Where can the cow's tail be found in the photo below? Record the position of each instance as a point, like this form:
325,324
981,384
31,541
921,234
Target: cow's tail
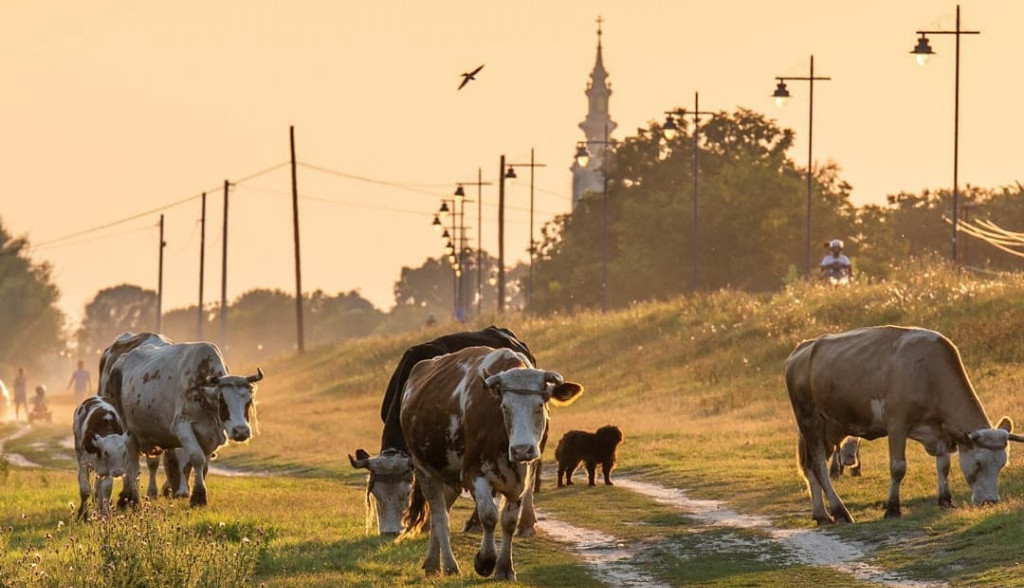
416,514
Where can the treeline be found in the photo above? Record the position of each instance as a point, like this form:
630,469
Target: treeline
751,236
752,220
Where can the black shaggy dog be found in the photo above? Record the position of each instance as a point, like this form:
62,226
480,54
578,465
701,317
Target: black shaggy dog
591,449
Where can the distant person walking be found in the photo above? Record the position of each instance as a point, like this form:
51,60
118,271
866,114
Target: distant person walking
83,383
20,393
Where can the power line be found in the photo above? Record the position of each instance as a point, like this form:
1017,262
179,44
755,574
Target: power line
151,211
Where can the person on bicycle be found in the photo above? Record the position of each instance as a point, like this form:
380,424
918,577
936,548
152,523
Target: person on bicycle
835,263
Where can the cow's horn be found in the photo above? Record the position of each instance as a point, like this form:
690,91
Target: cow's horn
360,463
257,377
554,377
1015,437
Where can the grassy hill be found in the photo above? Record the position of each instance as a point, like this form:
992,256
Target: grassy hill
696,385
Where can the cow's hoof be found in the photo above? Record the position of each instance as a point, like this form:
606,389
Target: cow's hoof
484,565
505,574
824,522
892,512
197,499
526,531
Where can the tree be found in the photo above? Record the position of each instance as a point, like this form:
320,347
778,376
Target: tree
29,318
116,310
752,203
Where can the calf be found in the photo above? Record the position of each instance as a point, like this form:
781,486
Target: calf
590,448
848,456
474,420
101,444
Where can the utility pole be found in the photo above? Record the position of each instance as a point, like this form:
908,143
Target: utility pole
160,281
202,267
298,257
479,183
224,278
511,174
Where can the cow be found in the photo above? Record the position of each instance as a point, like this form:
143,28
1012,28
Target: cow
387,492
180,395
388,487
101,446
900,382
847,456
474,420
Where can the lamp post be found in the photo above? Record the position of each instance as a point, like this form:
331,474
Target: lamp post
512,174
479,183
582,159
921,52
781,94
450,243
670,129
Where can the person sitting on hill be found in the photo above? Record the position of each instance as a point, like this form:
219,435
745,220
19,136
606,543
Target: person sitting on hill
39,405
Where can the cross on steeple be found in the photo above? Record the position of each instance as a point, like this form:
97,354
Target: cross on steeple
599,20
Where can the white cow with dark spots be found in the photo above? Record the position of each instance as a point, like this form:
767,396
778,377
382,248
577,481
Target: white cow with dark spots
179,395
101,444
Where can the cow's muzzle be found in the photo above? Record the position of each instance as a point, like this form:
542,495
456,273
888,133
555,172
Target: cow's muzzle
240,433
523,453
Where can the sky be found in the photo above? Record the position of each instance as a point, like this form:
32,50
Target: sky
114,112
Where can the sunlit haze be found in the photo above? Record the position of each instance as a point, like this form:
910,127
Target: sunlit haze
124,110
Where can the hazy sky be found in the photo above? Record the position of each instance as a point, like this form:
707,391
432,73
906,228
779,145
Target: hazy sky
112,110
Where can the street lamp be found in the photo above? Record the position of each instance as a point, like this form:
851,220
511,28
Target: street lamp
670,130
512,174
479,183
582,160
922,51
781,94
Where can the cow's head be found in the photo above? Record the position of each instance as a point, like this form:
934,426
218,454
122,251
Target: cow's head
983,456
387,489
524,394
233,397
113,454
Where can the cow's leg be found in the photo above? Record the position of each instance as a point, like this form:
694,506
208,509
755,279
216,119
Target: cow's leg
130,485
152,463
486,557
509,519
897,469
195,454
103,487
83,488
439,550
815,469
942,471
528,518
835,467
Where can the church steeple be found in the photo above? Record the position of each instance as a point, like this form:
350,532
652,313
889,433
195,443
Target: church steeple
597,127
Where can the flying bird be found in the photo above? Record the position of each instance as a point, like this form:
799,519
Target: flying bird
470,76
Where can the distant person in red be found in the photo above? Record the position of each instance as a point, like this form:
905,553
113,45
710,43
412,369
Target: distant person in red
81,380
20,393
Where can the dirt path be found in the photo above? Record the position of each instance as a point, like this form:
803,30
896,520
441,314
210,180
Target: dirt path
619,565
16,459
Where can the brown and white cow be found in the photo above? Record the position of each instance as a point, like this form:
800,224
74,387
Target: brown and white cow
474,420
846,457
898,382
179,395
101,445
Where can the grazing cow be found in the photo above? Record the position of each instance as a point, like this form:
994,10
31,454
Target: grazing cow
474,420
591,449
387,492
101,445
896,381
388,487
179,395
848,456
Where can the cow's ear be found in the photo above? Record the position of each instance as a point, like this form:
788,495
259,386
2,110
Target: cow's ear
566,393
1005,424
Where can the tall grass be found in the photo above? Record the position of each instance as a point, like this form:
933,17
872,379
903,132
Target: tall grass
152,546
